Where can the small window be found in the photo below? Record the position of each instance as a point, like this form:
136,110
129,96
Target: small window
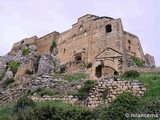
129,41
108,28
64,50
129,48
81,28
85,33
22,42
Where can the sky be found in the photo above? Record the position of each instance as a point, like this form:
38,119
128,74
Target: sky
21,19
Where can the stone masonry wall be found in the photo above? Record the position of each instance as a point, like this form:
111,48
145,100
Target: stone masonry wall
105,91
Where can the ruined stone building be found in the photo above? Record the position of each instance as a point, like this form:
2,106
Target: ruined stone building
100,41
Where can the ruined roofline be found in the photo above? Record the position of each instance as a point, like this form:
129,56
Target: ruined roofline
125,32
88,15
49,34
96,18
65,32
147,54
104,17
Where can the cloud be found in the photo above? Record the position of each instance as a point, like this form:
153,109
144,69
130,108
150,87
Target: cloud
21,19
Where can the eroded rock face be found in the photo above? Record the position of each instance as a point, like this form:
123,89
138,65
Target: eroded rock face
9,74
45,65
25,68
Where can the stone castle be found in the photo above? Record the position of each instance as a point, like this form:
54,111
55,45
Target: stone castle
98,41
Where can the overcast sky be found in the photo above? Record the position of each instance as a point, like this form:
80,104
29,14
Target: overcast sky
25,18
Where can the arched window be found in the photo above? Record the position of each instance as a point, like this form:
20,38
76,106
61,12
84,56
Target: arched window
108,28
80,28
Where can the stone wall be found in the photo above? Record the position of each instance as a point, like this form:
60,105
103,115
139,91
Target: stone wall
105,91
133,46
92,39
26,41
44,43
150,60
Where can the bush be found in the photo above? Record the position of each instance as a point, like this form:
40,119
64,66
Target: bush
7,82
53,46
45,113
89,65
137,61
3,74
150,105
125,103
131,74
25,51
14,66
85,89
22,104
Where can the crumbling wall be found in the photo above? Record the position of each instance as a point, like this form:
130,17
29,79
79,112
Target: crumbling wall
133,46
150,60
105,91
26,41
44,43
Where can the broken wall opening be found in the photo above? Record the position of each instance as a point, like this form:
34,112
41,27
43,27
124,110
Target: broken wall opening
78,58
98,73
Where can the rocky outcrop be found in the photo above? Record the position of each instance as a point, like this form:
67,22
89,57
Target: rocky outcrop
25,68
46,64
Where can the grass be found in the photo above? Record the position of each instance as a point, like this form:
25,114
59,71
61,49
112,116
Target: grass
71,77
152,82
7,83
55,103
48,92
14,66
6,110
138,61
25,51
85,89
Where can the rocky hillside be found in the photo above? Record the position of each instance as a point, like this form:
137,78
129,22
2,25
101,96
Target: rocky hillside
28,73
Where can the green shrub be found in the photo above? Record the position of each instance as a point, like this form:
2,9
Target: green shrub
25,51
138,61
125,103
150,105
3,74
131,74
45,113
47,92
22,104
89,65
7,82
83,92
14,66
53,46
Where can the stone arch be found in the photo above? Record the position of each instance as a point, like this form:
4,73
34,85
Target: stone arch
78,58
